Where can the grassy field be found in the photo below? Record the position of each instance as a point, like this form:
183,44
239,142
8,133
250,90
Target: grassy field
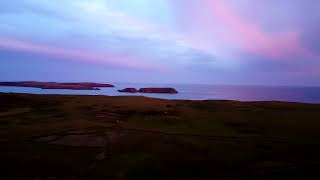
101,137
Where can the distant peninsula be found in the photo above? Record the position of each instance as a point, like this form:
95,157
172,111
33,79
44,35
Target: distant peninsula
56,85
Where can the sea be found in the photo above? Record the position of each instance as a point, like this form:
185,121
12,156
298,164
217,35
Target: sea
197,92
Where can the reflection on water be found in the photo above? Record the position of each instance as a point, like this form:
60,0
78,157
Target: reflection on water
199,92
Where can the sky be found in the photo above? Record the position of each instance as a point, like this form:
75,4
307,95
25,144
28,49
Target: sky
265,42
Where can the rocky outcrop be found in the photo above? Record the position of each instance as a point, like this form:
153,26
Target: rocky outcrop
55,85
158,90
129,90
150,90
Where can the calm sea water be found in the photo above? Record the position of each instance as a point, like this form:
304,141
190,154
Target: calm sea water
199,92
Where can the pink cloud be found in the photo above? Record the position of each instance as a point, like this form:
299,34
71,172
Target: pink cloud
217,22
251,37
75,54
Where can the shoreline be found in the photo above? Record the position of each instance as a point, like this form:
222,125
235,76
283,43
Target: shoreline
142,95
190,92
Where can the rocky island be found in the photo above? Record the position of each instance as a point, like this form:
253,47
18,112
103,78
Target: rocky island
56,85
129,90
149,90
158,90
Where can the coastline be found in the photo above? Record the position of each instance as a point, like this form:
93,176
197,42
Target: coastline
194,92
159,98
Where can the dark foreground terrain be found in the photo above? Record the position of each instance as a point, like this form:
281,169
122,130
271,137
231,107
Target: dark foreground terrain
100,137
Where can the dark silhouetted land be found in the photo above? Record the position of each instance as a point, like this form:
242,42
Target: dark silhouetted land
56,85
101,137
